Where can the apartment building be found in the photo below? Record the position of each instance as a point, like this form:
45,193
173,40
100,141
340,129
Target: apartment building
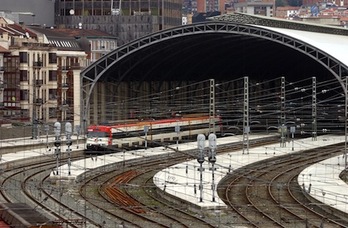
40,72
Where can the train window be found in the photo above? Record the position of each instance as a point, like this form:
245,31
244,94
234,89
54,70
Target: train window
93,134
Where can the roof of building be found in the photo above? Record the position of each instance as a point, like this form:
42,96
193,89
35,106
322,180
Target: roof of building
332,40
332,44
89,33
58,39
3,50
16,30
284,8
279,23
72,39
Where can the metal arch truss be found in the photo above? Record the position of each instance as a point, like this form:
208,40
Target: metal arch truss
91,74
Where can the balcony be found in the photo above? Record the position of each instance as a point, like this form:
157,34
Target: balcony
65,68
37,64
65,86
65,103
38,82
38,101
2,68
75,66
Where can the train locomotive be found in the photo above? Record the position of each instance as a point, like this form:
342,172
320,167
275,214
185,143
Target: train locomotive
154,132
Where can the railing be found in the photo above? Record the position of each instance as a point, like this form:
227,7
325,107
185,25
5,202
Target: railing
65,103
38,82
38,101
37,64
75,66
65,68
65,86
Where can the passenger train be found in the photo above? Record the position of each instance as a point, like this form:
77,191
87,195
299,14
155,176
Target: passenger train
152,132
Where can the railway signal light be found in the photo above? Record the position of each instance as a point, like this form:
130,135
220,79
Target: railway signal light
200,159
57,129
201,146
68,128
212,147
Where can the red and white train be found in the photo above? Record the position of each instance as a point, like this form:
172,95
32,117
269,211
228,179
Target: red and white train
129,135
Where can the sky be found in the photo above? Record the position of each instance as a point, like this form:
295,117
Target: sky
42,9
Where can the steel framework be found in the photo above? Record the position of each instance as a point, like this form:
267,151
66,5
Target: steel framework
94,72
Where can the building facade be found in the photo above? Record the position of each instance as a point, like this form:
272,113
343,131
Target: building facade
127,20
254,7
40,72
47,77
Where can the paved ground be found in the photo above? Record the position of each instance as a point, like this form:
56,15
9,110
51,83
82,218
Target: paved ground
15,132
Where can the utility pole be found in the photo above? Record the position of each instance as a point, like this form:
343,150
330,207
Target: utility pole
36,102
33,118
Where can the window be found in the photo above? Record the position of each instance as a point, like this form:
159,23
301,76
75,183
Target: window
25,113
24,96
23,57
52,58
10,98
52,112
52,75
23,75
52,94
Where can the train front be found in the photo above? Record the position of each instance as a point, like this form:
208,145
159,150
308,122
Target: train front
98,138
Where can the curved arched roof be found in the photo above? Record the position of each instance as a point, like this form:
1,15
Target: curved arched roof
332,44
223,50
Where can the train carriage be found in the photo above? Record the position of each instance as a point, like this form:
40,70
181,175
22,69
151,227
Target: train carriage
130,135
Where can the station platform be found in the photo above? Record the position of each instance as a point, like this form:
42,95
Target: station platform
177,181
182,180
34,147
322,181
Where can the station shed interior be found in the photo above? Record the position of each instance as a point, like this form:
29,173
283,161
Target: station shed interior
169,73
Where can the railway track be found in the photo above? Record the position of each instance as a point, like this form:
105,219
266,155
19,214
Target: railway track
267,194
126,212
27,183
259,195
122,197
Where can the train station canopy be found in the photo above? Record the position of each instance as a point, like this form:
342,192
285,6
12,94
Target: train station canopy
332,40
